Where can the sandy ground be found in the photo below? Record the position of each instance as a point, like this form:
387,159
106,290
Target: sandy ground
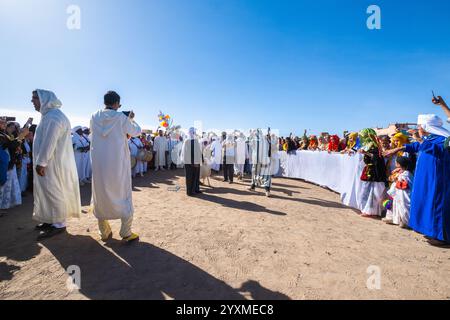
225,244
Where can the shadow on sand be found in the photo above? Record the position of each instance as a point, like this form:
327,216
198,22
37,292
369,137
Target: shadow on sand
141,271
242,205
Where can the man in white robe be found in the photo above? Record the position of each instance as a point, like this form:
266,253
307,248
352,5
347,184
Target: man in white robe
111,167
171,144
229,158
160,146
264,151
240,156
135,145
79,148
145,146
88,166
192,159
176,154
56,190
216,160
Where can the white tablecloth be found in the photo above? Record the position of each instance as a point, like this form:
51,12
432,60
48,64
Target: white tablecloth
338,172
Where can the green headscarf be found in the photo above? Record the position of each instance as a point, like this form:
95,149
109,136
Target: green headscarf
367,140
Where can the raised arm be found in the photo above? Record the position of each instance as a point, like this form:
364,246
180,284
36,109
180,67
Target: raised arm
441,102
410,148
131,127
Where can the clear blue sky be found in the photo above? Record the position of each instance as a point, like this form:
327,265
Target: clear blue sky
292,65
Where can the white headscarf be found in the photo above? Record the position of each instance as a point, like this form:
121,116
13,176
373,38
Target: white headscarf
48,101
433,124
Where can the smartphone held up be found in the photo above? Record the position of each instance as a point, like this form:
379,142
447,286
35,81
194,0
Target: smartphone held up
436,100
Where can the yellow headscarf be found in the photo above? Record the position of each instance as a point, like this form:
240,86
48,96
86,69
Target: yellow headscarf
402,139
352,139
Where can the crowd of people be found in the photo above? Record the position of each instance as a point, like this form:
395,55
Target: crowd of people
406,175
404,181
53,160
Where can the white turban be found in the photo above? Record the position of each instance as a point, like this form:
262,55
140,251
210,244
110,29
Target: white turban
48,101
74,130
433,124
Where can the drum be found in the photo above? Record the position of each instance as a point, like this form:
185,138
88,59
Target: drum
148,156
145,156
133,162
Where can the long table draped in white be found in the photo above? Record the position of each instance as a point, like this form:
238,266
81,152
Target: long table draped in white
338,172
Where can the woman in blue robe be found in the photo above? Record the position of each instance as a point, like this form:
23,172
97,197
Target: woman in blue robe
430,198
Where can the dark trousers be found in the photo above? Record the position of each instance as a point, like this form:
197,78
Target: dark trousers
247,167
30,180
228,172
192,179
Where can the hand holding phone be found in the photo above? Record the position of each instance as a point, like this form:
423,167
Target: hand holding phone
129,114
28,123
436,100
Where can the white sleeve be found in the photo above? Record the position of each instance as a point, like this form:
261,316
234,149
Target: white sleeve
391,191
131,127
51,131
183,151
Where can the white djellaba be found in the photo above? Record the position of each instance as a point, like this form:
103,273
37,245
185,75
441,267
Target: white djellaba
160,146
241,154
78,143
111,165
57,194
216,148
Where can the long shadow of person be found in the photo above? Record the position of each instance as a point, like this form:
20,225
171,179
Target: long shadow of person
224,190
154,180
287,192
242,205
277,184
136,271
258,292
315,202
17,235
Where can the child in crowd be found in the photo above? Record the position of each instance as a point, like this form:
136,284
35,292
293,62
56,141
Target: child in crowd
400,192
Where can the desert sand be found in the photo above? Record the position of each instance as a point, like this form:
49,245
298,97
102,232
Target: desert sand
228,243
